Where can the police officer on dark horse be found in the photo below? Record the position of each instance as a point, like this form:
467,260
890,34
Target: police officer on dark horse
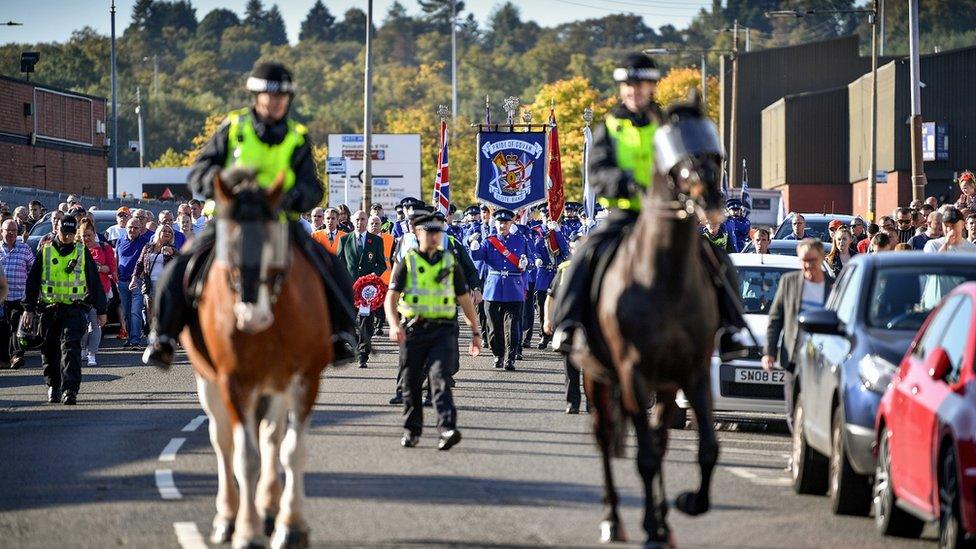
621,165
262,138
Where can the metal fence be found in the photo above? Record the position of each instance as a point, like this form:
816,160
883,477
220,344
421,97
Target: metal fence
21,196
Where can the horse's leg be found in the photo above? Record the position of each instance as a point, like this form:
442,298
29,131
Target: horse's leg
271,416
247,461
290,527
700,396
222,440
650,458
599,396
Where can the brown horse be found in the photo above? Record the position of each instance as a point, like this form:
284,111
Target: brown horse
257,360
658,315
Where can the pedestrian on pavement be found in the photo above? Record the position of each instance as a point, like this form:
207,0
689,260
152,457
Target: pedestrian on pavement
117,232
858,230
953,226
506,255
933,230
317,217
330,234
153,258
62,286
967,190
864,245
35,211
362,254
196,212
104,257
426,288
841,251
345,219
798,292
128,250
16,257
905,223
882,242
760,240
799,225
375,226
971,227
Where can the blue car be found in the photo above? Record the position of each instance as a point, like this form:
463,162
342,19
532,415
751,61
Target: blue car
848,353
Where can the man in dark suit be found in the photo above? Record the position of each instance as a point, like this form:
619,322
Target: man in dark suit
362,254
797,292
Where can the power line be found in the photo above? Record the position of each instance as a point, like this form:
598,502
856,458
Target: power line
636,12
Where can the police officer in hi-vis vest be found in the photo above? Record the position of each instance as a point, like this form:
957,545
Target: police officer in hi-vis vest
426,288
62,287
621,168
263,138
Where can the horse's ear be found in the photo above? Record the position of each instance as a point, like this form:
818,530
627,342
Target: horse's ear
222,193
276,190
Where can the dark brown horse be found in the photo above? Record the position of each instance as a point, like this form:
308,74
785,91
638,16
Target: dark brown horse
257,360
658,315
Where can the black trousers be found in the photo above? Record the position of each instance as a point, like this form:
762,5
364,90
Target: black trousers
540,307
366,329
573,375
528,316
504,336
64,327
8,330
171,309
430,350
483,319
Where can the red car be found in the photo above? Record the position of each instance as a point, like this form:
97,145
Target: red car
926,428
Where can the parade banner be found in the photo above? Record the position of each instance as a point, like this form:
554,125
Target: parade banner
511,169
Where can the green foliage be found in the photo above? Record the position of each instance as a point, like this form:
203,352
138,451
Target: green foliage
202,65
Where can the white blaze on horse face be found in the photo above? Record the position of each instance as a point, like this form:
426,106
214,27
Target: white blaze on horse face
255,317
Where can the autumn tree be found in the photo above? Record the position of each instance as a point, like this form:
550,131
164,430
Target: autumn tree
678,82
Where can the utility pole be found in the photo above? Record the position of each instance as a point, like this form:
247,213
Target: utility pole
115,116
918,164
873,174
139,118
733,116
704,80
881,17
454,97
368,113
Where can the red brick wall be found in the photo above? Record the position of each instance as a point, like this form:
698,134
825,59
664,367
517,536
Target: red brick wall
817,198
50,165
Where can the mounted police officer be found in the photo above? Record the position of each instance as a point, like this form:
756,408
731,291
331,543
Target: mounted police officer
62,287
421,308
261,137
621,168
506,256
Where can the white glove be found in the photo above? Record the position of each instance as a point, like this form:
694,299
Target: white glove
474,245
538,262
523,262
513,229
553,226
474,237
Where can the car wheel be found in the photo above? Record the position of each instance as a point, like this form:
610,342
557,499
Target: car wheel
951,534
849,492
679,418
890,519
808,468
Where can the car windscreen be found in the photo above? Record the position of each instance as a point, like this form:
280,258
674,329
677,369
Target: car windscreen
902,297
814,228
757,288
41,228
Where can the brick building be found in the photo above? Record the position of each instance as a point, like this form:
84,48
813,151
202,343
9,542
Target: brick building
52,139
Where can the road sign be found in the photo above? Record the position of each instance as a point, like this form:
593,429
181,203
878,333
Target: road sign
396,169
881,176
335,165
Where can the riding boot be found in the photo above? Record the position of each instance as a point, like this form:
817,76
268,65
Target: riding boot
734,341
338,291
171,307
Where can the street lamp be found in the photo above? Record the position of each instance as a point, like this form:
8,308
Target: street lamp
872,15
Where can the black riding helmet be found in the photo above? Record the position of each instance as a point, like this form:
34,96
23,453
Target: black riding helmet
270,78
637,67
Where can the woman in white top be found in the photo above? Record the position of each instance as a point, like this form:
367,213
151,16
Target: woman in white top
153,258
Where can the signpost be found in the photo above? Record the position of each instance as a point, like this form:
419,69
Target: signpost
395,165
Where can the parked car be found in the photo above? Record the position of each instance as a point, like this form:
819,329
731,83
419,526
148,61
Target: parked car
742,385
926,429
847,354
103,220
816,225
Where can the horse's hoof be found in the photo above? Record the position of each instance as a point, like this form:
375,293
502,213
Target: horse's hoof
290,538
689,504
248,544
666,543
611,532
222,531
269,525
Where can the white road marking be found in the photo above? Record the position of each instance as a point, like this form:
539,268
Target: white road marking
169,452
742,472
165,485
765,478
195,423
189,536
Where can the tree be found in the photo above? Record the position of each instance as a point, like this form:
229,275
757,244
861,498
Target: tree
274,26
254,13
506,29
317,24
352,27
678,82
438,13
212,27
141,14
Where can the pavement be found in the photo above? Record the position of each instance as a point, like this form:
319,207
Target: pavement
131,465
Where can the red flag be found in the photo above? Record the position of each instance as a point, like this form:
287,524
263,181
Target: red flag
554,174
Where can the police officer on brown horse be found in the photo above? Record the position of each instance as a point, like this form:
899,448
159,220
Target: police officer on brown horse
264,139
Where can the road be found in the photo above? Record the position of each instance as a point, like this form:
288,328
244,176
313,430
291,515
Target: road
132,465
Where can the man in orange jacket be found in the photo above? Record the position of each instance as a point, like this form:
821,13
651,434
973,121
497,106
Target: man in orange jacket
330,235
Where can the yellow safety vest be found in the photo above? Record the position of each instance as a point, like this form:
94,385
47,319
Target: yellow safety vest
634,147
59,285
423,295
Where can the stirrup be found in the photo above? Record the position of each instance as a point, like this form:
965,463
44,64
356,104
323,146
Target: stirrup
563,335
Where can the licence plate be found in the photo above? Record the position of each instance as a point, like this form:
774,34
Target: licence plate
752,375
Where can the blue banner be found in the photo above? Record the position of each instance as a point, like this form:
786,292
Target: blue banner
512,168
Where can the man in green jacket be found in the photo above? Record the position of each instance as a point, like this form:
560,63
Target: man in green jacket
362,254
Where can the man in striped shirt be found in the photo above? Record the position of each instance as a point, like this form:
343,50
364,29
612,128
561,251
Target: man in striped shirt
16,258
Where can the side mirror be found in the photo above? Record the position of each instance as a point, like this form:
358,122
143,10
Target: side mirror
822,321
938,364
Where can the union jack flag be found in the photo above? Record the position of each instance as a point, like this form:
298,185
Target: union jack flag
442,183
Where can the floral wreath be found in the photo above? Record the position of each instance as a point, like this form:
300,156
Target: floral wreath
369,291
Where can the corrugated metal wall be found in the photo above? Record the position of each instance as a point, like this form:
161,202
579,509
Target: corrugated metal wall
774,144
817,137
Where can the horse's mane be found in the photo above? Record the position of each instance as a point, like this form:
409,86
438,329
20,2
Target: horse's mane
248,202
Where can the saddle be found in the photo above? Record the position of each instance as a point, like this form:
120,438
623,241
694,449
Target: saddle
196,274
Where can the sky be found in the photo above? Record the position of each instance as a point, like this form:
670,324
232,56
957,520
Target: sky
54,20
